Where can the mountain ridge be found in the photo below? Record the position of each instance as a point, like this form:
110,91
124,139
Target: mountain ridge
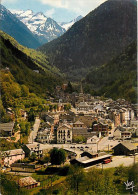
117,78
28,66
43,27
95,39
67,25
15,28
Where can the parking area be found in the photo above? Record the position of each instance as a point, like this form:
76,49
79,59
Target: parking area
117,161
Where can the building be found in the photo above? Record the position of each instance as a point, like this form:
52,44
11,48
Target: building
23,114
92,140
116,118
86,119
83,106
44,136
6,129
89,154
126,135
80,129
134,123
52,119
100,127
124,148
117,134
11,156
29,149
87,162
122,116
28,182
64,134
23,167
79,125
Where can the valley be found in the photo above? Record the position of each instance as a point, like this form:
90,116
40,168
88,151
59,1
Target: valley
69,112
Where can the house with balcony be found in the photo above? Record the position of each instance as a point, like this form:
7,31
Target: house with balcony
64,134
101,127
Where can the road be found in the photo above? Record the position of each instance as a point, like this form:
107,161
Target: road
33,133
116,162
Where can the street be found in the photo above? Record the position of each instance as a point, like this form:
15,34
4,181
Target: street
33,133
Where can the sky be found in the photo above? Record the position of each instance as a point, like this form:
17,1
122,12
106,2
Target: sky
59,10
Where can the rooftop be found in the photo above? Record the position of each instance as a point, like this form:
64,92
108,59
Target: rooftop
81,160
13,152
128,145
79,123
26,181
83,104
6,126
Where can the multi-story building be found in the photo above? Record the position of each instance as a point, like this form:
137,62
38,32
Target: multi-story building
122,116
29,149
126,135
80,129
116,118
45,136
100,127
64,134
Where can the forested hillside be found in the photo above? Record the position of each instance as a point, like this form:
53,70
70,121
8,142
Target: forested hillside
118,78
28,67
95,39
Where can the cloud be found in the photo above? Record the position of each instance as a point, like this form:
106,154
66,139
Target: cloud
78,6
8,1
50,12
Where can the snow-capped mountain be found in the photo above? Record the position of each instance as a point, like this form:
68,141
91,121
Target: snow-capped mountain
15,28
67,25
43,27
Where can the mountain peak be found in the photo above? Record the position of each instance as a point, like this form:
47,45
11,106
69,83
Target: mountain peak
67,25
40,14
46,29
18,30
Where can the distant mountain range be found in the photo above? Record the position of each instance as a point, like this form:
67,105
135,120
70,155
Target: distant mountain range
95,39
67,25
29,29
15,28
46,29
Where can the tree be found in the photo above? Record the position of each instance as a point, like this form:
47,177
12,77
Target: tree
31,115
25,90
33,157
69,88
57,156
67,107
133,175
75,178
46,158
79,138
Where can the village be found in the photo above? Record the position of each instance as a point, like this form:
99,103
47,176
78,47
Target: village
93,131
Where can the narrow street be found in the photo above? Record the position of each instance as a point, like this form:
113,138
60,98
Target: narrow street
33,133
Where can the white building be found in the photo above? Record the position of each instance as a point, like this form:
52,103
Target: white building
44,136
64,134
11,156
